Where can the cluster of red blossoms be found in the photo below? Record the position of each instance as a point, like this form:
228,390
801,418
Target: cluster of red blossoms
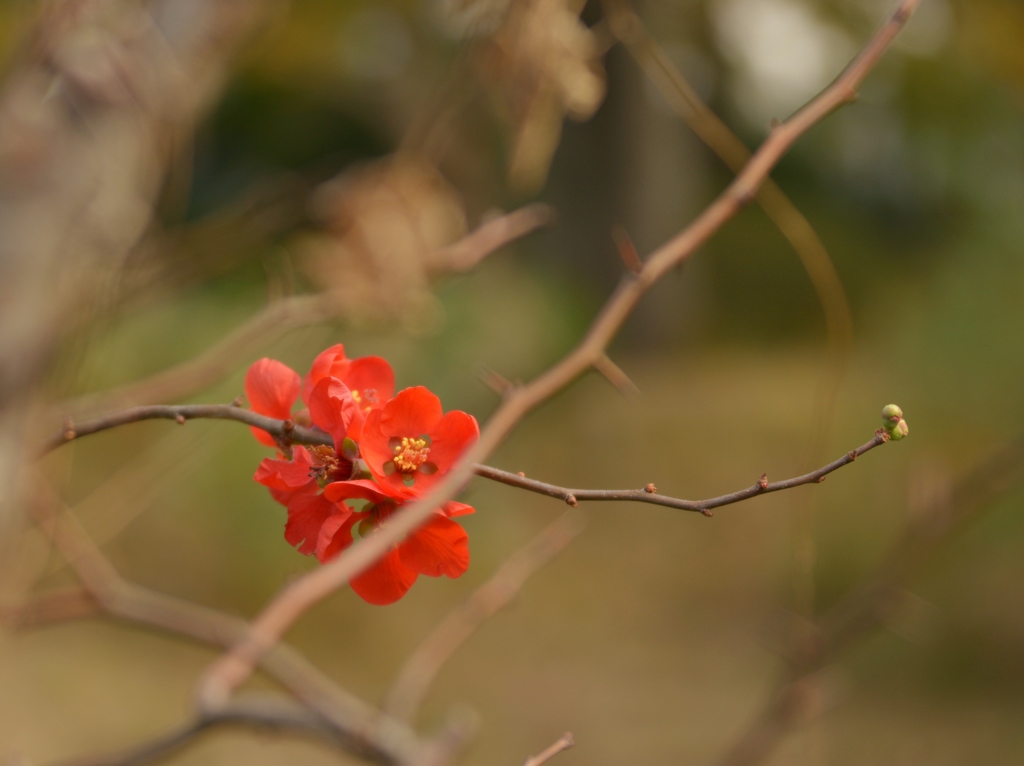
388,450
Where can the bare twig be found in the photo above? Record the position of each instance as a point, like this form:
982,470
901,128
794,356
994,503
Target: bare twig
762,487
870,604
281,613
562,743
290,433
491,235
422,666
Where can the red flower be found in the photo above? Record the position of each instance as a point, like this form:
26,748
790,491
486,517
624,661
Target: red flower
408,444
293,483
369,378
272,388
439,547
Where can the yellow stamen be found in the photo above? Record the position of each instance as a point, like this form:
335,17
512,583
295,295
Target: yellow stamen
411,454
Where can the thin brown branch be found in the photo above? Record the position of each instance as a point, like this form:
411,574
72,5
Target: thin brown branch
288,432
562,743
761,487
871,603
406,694
492,235
282,612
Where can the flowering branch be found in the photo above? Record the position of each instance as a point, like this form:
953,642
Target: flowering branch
287,432
423,665
282,612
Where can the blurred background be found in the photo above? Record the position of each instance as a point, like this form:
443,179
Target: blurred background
343,146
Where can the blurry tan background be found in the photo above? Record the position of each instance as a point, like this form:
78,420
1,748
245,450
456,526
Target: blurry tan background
652,637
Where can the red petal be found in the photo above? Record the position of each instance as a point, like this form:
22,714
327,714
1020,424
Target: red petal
439,547
271,388
373,378
385,582
456,432
329,363
306,516
333,409
336,534
362,489
412,412
374,446
286,475
454,508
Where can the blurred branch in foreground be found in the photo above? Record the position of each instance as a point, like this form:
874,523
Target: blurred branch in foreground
224,676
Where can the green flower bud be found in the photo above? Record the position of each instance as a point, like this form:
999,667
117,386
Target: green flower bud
899,431
891,415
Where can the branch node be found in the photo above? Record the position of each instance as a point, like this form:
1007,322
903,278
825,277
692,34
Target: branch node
650,489
570,499
706,512
819,480
238,401
762,481
852,455
69,432
288,426
521,474
179,419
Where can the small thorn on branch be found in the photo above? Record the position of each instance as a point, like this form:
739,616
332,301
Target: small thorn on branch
627,250
238,401
179,419
495,381
706,512
521,474
570,499
650,489
615,375
762,481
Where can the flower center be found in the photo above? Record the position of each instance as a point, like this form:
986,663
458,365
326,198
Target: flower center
328,466
410,454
